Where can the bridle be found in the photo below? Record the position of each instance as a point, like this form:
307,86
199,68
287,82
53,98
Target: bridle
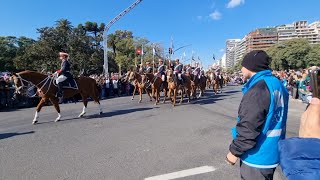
45,80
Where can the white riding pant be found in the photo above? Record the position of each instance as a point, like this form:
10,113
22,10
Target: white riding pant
61,78
179,76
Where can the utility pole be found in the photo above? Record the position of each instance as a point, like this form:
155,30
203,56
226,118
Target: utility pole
105,35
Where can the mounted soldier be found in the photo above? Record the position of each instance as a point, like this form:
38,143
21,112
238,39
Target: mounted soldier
178,72
148,68
64,73
161,70
188,69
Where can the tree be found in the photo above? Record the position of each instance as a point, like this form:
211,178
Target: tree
8,51
290,54
313,57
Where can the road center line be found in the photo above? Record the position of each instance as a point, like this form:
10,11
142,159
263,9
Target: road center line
183,173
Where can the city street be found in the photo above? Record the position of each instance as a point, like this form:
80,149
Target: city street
129,141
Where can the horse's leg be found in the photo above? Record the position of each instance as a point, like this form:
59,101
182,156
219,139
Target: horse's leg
36,116
156,96
55,102
140,91
96,99
165,95
150,94
158,93
170,96
153,94
182,94
134,92
85,103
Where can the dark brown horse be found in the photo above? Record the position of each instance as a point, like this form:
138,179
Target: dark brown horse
136,79
174,88
156,83
213,81
198,84
87,87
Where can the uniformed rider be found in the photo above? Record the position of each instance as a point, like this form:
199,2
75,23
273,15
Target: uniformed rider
63,73
161,70
178,72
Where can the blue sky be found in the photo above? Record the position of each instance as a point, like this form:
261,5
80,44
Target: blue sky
206,24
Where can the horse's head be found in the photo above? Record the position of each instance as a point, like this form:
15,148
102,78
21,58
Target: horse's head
131,76
169,74
20,86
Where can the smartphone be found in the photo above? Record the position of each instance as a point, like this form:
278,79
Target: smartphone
315,83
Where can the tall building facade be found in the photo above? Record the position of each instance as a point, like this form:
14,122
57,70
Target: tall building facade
300,29
241,50
231,46
261,39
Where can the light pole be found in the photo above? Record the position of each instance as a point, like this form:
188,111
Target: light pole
105,35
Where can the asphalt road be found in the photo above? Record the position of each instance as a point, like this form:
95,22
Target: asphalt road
129,141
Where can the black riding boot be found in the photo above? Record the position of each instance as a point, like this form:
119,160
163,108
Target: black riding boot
59,93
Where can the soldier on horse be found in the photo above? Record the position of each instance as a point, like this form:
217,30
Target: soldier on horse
161,70
178,73
148,68
63,73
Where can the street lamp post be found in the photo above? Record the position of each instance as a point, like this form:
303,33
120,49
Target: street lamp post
105,35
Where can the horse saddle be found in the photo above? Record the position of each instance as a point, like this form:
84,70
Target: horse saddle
68,84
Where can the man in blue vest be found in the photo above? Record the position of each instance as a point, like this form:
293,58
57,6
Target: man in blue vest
262,118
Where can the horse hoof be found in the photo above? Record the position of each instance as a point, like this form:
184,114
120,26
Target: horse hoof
131,99
57,120
100,113
139,101
34,122
81,115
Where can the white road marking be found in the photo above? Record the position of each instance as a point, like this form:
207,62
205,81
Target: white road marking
184,173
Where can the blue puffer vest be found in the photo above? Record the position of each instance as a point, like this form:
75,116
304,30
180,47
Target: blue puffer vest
265,153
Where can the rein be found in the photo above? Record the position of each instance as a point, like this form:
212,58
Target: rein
29,82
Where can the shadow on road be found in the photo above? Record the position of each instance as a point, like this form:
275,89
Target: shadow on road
116,113
9,135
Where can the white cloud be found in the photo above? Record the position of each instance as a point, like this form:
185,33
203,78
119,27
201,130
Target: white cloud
221,50
216,15
234,3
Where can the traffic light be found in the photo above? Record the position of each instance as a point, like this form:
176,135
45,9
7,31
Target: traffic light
170,50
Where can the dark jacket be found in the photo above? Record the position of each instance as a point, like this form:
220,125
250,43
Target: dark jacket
300,158
65,68
252,112
161,69
149,70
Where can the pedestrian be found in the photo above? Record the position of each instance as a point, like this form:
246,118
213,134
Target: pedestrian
262,117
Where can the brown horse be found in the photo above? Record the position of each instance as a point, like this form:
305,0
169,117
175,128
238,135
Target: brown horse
87,87
213,81
136,79
156,87
174,88
198,83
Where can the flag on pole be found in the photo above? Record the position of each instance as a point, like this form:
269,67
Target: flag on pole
172,46
138,51
142,50
153,51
